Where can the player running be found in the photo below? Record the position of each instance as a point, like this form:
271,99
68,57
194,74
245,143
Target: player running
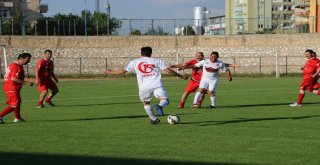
210,77
13,81
148,74
310,77
44,75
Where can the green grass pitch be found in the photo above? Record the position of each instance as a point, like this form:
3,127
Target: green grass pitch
103,122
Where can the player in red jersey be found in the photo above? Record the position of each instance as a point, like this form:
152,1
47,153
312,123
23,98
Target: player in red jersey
195,78
13,81
310,74
44,79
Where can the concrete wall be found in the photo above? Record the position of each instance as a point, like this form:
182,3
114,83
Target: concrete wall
116,51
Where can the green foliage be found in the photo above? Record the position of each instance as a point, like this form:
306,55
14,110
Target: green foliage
98,121
61,24
188,30
135,32
157,31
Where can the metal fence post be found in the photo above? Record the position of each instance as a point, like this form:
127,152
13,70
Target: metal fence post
47,27
277,65
74,27
0,27
234,68
97,27
12,26
260,66
80,64
286,65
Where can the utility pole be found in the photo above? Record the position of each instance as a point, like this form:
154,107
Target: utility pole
107,6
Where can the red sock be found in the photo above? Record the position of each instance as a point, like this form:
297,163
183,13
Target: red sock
318,92
40,103
7,110
181,104
17,113
48,99
301,96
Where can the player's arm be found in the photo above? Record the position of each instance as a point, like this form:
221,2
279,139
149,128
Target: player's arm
316,74
173,73
54,77
16,80
229,75
115,71
37,73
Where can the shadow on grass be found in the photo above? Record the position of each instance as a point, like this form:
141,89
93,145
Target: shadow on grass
259,105
109,118
46,159
245,120
102,104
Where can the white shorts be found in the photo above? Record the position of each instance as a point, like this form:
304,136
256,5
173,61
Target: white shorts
209,84
146,95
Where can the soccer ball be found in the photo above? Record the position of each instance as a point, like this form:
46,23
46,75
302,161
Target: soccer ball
173,119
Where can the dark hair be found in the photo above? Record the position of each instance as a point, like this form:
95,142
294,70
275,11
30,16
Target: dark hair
309,50
24,55
215,53
146,51
50,51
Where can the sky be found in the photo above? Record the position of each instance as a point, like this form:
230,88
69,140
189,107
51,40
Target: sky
137,9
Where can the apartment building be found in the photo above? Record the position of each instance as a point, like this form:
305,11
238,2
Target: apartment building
247,16
314,20
31,9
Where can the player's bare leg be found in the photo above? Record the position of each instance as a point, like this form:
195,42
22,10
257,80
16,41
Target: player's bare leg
183,99
41,98
50,96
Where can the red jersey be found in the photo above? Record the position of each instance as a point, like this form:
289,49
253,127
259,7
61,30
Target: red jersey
13,71
311,66
45,68
196,72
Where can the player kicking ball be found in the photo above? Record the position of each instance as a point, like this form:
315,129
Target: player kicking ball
149,80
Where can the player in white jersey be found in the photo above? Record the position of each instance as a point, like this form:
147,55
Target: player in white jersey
148,74
210,77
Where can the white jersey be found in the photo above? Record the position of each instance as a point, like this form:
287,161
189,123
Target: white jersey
210,70
147,70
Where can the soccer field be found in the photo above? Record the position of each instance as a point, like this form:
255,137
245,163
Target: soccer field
103,122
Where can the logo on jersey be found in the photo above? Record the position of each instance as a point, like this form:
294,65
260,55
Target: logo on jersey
211,70
145,68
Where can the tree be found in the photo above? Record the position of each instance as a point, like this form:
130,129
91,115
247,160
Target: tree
158,31
188,30
135,32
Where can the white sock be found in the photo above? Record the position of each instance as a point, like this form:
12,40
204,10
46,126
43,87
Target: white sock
196,98
213,101
163,103
149,112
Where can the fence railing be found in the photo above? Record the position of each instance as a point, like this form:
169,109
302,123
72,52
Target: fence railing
223,26
96,66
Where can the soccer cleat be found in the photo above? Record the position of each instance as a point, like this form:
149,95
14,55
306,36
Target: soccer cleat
212,106
156,121
41,106
295,105
19,120
159,109
180,107
50,104
195,106
1,121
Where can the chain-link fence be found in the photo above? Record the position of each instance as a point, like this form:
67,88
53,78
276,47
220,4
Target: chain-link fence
221,26
95,66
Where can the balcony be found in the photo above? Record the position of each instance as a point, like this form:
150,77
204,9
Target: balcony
6,4
44,8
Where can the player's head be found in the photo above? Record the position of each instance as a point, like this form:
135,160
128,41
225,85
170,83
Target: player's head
214,56
48,54
24,58
146,51
199,56
308,53
314,54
